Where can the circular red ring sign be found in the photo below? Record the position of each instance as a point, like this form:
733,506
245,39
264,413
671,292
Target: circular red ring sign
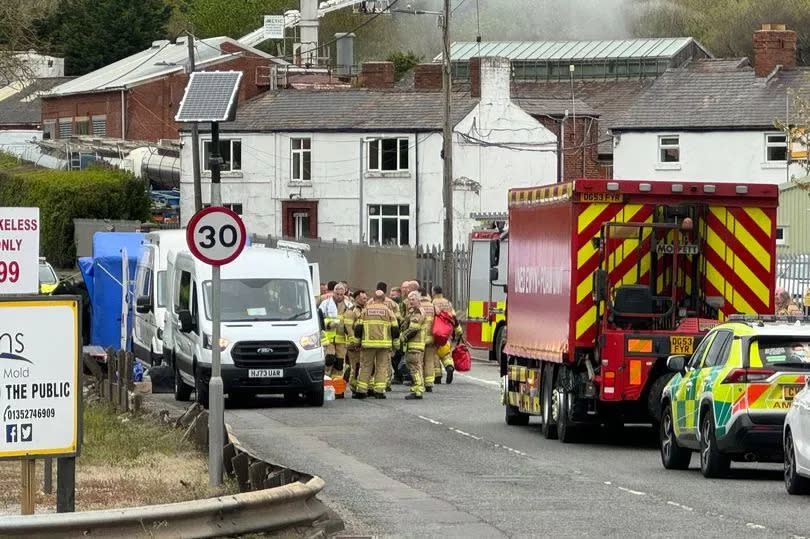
216,235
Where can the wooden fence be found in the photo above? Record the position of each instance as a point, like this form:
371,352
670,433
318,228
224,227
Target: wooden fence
112,373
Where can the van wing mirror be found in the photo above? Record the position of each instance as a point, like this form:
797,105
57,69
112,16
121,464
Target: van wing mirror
493,274
143,304
676,363
186,323
494,253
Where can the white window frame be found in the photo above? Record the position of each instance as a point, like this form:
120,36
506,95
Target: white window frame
207,142
98,121
379,152
69,123
49,126
662,147
769,145
784,240
377,221
298,222
297,155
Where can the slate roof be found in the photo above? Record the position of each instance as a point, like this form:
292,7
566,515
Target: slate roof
712,94
20,103
554,106
346,110
609,99
163,58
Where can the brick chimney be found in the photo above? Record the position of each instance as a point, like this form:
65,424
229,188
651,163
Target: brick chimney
774,45
377,75
490,78
428,77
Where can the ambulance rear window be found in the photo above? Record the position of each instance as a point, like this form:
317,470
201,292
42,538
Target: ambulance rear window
775,352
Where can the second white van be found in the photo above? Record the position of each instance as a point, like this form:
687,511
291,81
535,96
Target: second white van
270,332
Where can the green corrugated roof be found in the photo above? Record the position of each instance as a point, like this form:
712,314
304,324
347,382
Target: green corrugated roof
613,49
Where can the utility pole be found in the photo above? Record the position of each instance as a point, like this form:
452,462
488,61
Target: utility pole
195,135
448,269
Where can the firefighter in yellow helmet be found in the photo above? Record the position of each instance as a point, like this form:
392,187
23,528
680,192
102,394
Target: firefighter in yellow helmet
413,340
445,359
353,348
376,328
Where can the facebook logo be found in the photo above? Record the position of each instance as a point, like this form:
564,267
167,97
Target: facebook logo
11,434
26,431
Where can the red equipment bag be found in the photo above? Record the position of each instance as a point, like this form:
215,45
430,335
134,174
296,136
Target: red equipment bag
443,325
462,360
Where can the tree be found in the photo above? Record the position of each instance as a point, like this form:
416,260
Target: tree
403,62
92,34
18,34
797,131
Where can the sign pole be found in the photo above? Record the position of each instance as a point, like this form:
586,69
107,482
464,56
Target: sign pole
216,417
29,487
66,485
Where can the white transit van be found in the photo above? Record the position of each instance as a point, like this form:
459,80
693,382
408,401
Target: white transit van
270,330
151,293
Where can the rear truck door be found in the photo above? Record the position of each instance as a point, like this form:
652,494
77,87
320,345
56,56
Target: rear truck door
685,393
777,371
478,332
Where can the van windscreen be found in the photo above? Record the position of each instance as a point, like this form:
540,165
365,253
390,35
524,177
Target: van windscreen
261,299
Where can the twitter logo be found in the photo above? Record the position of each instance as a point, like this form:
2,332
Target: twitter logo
26,431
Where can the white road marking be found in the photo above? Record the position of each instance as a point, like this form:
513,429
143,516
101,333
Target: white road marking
755,526
634,492
608,483
480,380
430,420
467,434
681,506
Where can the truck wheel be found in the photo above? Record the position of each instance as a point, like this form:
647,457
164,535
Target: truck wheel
673,456
182,391
712,462
549,428
201,390
654,397
499,345
566,432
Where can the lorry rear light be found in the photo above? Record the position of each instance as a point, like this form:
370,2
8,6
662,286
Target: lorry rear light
612,186
609,378
742,189
747,376
708,188
645,187
677,188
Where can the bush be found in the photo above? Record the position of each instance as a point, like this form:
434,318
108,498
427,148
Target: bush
93,193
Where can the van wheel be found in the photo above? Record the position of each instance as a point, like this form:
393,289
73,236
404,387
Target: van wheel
201,390
182,391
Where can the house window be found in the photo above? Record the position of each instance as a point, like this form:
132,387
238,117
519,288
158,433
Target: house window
236,208
82,126
231,152
388,225
49,129
100,126
301,149
776,148
65,127
669,149
388,154
781,235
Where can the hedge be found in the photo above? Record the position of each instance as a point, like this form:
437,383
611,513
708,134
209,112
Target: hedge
93,193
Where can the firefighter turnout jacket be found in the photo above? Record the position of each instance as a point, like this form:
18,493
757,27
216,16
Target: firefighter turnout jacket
378,326
413,330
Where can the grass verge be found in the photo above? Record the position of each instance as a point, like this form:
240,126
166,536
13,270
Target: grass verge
126,461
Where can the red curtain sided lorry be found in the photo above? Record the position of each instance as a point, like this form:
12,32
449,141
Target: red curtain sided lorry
607,278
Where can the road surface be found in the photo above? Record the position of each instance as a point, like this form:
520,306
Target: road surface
449,466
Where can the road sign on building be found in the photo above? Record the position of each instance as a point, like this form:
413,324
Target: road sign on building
216,235
40,387
19,251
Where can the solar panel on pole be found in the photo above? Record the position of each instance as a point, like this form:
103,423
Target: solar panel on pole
210,96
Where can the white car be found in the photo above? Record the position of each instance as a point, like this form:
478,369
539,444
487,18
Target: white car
797,438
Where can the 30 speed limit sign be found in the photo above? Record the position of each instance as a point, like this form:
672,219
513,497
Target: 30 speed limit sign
216,235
